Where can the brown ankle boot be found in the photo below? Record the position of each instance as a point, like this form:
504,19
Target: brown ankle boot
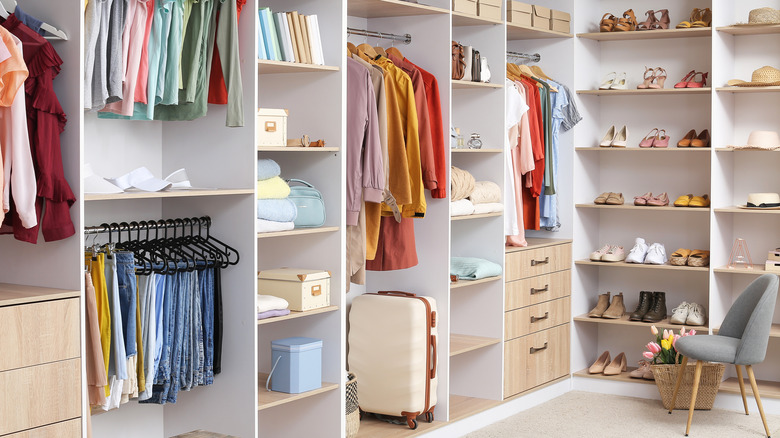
645,302
616,309
657,310
601,306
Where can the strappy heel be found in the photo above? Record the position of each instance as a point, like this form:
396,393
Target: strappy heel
659,76
648,79
705,18
684,82
695,16
661,141
607,23
627,23
647,24
647,142
693,83
663,22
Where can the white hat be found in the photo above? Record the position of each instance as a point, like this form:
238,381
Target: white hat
141,179
96,184
762,201
769,140
181,181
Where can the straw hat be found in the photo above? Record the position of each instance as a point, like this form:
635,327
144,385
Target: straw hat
767,140
763,77
762,17
762,201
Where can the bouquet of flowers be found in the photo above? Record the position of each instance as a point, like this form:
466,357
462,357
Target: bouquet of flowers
662,350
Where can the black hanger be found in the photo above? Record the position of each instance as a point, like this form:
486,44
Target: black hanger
228,251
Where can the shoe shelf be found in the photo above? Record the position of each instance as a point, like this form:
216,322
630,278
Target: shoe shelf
638,149
774,332
648,35
750,30
744,150
463,85
167,194
465,283
738,210
296,315
767,388
623,320
653,91
462,407
270,399
298,232
667,267
622,377
463,19
757,270
389,8
372,427
477,151
460,344
476,216
739,90
644,208
295,149
520,32
267,67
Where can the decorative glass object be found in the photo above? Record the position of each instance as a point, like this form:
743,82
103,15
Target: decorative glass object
474,141
740,256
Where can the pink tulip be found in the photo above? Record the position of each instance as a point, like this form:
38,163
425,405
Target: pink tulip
674,341
692,332
648,355
666,334
653,347
682,331
653,330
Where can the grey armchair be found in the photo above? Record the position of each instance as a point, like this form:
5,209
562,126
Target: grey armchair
741,340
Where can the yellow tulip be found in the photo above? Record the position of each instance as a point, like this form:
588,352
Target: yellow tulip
666,344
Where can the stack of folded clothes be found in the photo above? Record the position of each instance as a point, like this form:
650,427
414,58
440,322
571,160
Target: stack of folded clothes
473,197
269,306
473,268
275,212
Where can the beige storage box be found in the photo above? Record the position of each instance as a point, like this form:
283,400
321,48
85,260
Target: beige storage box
271,127
489,9
540,18
519,13
465,6
560,21
304,289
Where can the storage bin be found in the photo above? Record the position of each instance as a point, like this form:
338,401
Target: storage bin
519,13
296,365
489,9
271,127
304,289
560,21
465,6
540,18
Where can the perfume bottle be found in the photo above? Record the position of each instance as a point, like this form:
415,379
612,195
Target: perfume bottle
459,142
474,141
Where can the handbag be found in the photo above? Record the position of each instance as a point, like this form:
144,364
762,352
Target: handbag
484,70
468,57
308,200
458,64
476,66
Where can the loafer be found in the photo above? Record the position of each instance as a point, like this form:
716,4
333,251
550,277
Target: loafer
602,198
614,254
695,315
684,200
615,199
700,201
661,200
680,313
642,200
638,252
599,253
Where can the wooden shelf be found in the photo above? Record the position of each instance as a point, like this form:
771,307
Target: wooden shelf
537,242
166,194
462,407
269,399
520,32
371,427
773,89
298,232
295,149
477,151
757,270
13,294
623,320
774,332
641,266
389,8
732,149
296,315
460,344
268,67
750,30
653,91
476,216
463,19
767,388
648,35
622,377
638,149
643,208
466,283
738,210
463,85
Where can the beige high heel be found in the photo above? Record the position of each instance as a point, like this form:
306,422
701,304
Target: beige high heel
648,79
659,76
600,364
617,366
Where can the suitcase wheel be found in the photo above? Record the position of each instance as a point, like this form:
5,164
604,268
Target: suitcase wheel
429,417
412,423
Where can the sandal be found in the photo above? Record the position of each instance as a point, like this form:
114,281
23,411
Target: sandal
661,200
615,199
705,18
686,141
702,141
661,140
642,200
663,22
684,200
647,24
607,23
680,257
602,198
699,202
627,23
693,83
684,82
659,76
695,16
647,142
648,79
699,258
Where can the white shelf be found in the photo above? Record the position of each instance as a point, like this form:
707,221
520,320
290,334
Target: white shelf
476,216
167,194
520,32
648,35
646,92
298,232
389,8
737,210
757,270
267,67
638,149
732,149
626,207
666,267
463,19
750,30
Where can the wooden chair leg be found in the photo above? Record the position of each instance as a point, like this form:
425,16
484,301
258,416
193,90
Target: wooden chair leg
694,392
680,372
742,388
754,386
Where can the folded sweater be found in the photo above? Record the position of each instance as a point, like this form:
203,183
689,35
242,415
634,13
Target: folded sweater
266,303
485,192
267,168
490,207
461,208
272,188
472,268
272,313
264,226
278,210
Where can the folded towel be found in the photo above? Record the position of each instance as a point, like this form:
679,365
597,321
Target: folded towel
272,188
485,192
270,302
277,210
462,184
490,207
461,208
264,226
272,313
472,268
267,168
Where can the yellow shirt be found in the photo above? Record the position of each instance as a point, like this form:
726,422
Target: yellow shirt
97,270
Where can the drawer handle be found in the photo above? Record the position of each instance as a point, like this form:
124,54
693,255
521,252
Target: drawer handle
540,262
538,291
534,350
540,318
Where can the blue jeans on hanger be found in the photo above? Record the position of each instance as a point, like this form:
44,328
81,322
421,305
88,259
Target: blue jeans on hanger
125,269
177,348
196,329
185,370
167,329
159,311
207,292
146,296
117,364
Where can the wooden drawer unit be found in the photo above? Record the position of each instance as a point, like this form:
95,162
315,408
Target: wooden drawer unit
535,359
65,429
537,261
39,395
534,290
37,333
538,317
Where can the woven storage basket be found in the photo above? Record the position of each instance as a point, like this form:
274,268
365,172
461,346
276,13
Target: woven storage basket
666,377
352,410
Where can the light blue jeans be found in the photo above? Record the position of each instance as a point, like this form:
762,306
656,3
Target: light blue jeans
125,269
117,364
147,291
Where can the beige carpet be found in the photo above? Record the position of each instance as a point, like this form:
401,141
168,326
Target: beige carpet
584,414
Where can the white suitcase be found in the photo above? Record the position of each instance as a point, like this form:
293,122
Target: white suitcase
392,351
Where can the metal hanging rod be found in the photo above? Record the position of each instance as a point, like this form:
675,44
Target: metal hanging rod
405,38
203,221
535,57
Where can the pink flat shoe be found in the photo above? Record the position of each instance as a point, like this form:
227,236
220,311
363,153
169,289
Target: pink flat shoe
661,200
647,142
642,200
661,140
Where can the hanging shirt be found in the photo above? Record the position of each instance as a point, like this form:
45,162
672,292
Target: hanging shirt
532,187
218,93
91,32
143,66
116,66
29,21
516,109
170,79
548,204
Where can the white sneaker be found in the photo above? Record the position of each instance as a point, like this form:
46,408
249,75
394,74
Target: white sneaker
680,313
656,255
638,252
599,253
695,315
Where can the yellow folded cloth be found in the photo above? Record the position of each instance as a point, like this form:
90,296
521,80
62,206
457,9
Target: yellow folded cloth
272,188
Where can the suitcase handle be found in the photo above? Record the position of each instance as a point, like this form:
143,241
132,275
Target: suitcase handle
397,293
435,360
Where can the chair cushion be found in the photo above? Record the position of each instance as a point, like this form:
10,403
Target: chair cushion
710,348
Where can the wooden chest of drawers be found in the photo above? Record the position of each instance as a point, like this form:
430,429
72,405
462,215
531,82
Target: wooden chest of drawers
537,314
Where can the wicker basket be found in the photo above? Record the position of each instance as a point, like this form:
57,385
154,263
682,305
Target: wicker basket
666,377
352,410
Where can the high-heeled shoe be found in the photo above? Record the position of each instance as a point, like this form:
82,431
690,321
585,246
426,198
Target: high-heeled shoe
647,142
686,141
702,141
659,76
705,18
647,24
621,139
695,15
600,363
661,140
627,23
617,366
608,80
607,23
609,137
648,79
619,83
684,82
693,83
663,22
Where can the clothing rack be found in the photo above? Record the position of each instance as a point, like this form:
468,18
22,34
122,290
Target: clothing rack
535,57
405,38
200,222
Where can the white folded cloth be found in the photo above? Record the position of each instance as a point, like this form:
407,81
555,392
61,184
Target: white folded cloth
462,207
489,207
270,302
